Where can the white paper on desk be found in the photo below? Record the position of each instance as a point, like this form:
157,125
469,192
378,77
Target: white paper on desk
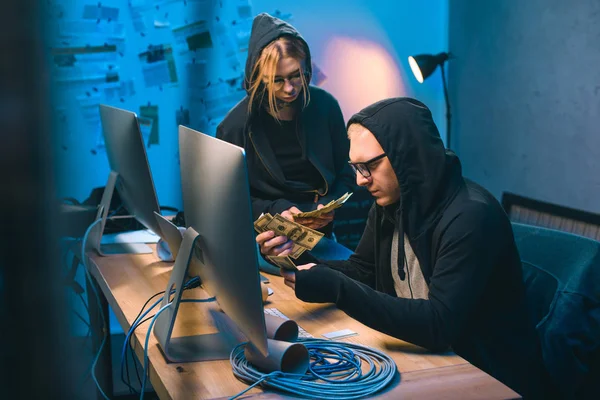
344,333
141,236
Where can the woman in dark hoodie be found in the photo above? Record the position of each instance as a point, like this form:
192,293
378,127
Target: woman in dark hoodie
293,134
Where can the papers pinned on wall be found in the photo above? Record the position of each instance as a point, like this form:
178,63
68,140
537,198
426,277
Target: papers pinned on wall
85,63
158,66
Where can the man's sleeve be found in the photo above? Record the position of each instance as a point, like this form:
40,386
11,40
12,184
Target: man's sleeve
360,266
460,274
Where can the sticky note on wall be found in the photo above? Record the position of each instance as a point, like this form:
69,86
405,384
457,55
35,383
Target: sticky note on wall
151,112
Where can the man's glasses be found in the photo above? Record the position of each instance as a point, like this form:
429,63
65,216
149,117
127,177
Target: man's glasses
363,167
294,80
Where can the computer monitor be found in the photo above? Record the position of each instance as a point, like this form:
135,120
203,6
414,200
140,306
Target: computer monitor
130,174
216,201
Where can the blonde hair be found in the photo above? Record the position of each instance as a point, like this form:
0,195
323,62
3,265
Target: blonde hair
266,67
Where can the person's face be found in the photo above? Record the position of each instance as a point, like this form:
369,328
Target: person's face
288,80
382,182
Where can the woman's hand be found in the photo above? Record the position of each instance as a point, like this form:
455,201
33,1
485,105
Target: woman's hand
316,223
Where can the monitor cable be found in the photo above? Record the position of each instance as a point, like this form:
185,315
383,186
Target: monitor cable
139,320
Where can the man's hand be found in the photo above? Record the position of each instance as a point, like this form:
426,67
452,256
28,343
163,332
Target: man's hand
316,223
271,245
289,277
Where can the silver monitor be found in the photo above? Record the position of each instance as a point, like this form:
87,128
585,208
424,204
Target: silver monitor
216,202
130,175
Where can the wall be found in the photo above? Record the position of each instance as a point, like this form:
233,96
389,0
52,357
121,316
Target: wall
360,46
525,90
136,55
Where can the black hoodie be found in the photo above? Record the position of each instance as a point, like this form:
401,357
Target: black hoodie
321,134
464,243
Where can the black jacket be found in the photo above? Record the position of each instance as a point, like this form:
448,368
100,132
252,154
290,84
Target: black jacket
465,247
321,133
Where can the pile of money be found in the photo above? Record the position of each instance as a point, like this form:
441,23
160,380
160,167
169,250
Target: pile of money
304,238
332,205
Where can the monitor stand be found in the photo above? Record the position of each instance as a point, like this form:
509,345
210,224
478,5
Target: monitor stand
204,347
95,235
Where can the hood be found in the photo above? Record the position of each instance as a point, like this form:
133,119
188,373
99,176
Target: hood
429,175
265,29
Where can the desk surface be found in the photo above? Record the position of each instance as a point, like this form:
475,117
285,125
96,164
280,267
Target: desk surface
128,281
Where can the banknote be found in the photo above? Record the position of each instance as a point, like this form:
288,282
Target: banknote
261,223
297,251
332,205
283,262
297,233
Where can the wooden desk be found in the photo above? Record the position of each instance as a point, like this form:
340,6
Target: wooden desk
127,281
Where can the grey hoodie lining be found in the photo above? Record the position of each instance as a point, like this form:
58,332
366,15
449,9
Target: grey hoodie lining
413,286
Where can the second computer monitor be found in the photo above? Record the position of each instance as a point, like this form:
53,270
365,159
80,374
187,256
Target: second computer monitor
127,157
216,202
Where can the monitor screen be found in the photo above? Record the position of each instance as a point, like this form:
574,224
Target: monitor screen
127,157
216,200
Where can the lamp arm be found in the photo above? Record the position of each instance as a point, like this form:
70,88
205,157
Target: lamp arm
448,113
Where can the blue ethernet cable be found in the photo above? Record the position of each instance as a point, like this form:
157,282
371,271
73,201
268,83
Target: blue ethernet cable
140,320
335,371
87,272
143,388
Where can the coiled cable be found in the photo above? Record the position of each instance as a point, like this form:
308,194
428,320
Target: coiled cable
335,371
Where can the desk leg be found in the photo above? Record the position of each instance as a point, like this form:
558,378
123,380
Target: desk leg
104,365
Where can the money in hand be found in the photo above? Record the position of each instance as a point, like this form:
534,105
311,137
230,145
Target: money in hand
283,262
332,205
261,222
260,226
299,234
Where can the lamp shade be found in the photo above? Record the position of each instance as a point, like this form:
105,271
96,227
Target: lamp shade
423,65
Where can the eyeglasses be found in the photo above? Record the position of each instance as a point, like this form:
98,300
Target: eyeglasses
363,167
294,80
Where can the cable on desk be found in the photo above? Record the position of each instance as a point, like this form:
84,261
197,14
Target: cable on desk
194,282
128,345
335,371
93,286
146,372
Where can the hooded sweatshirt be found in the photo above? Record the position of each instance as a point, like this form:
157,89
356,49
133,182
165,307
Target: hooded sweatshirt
464,245
320,130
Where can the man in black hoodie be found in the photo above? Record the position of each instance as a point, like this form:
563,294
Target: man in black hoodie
437,264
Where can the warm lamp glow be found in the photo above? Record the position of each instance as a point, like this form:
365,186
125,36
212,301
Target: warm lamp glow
359,73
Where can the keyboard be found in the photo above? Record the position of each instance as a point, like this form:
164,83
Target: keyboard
276,313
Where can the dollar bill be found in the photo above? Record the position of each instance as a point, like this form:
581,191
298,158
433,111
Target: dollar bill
299,234
297,251
332,205
283,262
260,226
261,222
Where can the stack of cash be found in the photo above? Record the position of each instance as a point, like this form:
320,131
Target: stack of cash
304,238
332,205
